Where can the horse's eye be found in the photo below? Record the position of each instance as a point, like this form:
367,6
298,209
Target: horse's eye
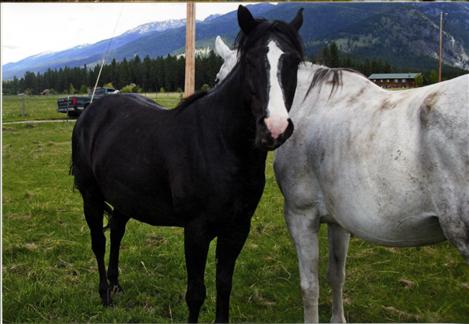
216,80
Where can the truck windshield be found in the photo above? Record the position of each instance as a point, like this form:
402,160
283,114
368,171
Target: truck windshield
102,91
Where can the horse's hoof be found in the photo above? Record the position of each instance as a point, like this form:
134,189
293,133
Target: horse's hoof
106,299
116,289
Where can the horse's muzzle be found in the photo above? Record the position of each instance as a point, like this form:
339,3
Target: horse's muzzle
266,141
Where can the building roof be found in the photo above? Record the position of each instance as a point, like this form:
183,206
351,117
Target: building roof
379,76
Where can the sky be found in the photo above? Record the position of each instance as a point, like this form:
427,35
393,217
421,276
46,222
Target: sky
33,28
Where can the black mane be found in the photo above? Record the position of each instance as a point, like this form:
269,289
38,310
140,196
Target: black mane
282,29
189,100
323,74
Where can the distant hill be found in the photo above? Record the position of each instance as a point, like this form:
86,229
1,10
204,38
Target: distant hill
403,34
407,35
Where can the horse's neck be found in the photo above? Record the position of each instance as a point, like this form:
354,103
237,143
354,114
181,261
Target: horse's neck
232,122
226,108
227,99
309,67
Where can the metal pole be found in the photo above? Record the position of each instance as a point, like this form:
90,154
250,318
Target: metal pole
189,82
440,57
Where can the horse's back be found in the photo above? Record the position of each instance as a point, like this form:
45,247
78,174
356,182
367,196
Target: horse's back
106,120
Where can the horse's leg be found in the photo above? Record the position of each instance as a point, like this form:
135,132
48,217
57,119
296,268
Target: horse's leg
229,245
338,247
303,224
196,245
456,230
117,227
93,207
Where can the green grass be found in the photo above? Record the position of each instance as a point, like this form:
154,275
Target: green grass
45,107
166,99
35,107
49,270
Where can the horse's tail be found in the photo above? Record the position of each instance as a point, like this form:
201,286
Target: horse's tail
82,176
109,212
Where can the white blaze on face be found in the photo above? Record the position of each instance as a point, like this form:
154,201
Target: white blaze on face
277,120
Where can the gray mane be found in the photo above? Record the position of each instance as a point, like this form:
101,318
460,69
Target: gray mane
322,74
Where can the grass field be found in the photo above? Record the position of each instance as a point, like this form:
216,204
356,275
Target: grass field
45,107
49,271
35,108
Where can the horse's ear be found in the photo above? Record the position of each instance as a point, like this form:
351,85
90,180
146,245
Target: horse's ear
297,22
245,20
221,49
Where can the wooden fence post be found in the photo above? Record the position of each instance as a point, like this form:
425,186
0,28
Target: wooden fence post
189,82
22,97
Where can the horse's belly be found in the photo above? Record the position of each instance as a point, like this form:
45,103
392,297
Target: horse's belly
399,230
148,209
386,201
148,202
157,218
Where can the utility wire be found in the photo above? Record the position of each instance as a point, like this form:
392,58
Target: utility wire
105,54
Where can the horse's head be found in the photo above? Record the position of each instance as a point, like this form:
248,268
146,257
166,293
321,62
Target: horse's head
269,53
229,56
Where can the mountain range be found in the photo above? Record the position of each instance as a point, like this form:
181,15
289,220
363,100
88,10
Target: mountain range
403,34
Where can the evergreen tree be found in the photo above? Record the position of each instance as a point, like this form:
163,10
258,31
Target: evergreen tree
84,89
71,89
30,82
333,55
326,56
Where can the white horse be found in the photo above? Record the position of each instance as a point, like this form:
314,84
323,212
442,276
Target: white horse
391,167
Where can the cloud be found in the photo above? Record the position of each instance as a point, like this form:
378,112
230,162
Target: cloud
10,47
58,26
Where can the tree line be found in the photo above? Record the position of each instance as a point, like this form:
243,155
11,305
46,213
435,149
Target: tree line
167,73
147,75
331,56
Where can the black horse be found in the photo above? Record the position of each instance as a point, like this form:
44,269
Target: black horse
199,166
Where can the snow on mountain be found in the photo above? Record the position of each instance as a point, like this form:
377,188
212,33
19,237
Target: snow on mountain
88,54
41,54
211,17
157,26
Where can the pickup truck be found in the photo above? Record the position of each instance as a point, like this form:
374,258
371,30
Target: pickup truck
74,105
